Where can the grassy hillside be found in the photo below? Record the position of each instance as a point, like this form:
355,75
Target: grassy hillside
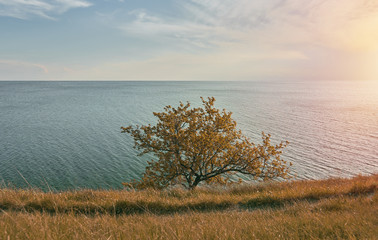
328,209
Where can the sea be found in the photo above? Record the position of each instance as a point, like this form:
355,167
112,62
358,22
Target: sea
66,135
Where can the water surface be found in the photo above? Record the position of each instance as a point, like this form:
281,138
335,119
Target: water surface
66,135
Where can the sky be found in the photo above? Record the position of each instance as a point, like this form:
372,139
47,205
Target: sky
249,40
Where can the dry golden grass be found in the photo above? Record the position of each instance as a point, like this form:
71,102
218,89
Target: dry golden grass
329,209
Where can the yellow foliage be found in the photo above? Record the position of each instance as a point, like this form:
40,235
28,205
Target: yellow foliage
195,145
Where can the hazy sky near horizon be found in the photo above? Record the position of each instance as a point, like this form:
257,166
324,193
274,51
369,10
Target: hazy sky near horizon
188,40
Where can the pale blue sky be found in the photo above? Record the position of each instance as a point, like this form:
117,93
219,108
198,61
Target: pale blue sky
188,40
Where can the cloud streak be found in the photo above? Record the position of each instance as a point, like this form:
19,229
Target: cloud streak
21,70
25,9
321,35
21,65
217,39
317,22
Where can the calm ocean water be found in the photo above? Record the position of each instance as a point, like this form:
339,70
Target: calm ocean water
67,135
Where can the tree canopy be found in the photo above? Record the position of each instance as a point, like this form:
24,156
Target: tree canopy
202,144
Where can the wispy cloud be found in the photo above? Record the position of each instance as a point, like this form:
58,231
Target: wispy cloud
172,30
209,22
20,70
20,65
219,39
324,35
24,9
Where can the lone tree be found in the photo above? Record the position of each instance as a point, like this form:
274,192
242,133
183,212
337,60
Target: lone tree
195,145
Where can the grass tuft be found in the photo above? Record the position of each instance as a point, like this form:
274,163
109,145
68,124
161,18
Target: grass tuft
326,209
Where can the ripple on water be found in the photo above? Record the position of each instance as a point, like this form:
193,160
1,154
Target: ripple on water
67,134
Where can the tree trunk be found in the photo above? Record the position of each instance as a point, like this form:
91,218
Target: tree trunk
195,183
